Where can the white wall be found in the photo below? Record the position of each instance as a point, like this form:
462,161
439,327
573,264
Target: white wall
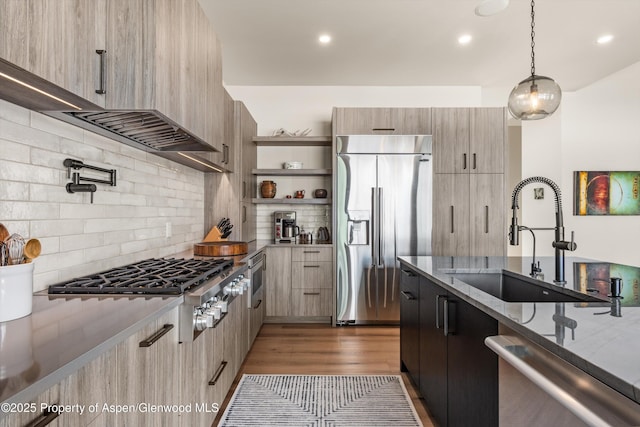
126,223
302,107
601,131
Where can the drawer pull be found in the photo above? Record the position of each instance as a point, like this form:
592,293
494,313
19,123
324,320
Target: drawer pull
311,266
407,295
155,337
258,304
311,293
311,252
45,419
216,376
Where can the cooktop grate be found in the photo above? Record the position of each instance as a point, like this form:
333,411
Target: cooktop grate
165,276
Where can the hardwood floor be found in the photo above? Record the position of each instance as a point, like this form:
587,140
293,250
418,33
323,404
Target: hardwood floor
323,350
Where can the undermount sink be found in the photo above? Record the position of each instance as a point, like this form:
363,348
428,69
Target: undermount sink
513,288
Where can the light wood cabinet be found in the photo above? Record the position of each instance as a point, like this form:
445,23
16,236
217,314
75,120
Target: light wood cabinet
226,194
450,235
469,140
277,270
469,216
57,40
382,121
124,54
34,415
301,283
488,215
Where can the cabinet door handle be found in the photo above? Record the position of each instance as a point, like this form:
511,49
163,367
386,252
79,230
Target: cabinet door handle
244,189
408,273
311,252
311,266
155,337
45,419
438,298
449,312
407,295
383,129
244,214
258,304
474,160
464,161
486,219
452,230
264,262
103,75
216,376
311,293
225,154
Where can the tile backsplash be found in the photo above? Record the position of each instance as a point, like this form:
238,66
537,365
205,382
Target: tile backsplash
153,198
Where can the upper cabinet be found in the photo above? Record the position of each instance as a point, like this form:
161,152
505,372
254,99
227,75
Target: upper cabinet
160,55
382,121
469,140
57,40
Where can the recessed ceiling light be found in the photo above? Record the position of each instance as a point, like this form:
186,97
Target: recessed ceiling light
604,39
324,38
491,7
464,39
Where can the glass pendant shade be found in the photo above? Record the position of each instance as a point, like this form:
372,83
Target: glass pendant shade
534,98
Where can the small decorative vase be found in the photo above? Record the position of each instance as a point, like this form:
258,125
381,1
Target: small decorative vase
268,189
320,193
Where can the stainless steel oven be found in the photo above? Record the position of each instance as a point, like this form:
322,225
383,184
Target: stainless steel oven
256,270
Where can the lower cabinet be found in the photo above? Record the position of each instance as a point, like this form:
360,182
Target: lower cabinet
457,375
299,282
410,325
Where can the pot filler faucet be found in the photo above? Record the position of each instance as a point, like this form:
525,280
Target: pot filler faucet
559,243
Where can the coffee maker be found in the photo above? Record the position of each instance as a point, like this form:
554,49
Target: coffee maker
285,229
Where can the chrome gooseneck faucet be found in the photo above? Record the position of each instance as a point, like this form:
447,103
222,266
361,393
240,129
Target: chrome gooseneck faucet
559,243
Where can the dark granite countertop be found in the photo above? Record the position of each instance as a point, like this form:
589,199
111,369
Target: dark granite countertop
604,339
64,333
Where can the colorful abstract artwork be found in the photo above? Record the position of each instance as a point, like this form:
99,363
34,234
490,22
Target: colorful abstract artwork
606,193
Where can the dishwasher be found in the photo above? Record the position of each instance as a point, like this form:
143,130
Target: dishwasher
538,388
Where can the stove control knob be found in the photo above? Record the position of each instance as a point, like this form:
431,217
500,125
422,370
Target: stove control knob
224,306
215,312
246,283
200,320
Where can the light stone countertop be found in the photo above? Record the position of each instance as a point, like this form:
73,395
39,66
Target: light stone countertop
606,339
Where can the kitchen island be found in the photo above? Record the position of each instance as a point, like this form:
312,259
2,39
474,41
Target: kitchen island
600,337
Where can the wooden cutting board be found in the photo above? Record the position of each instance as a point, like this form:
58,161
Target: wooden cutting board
223,248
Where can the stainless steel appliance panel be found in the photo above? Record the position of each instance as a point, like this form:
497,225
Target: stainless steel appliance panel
404,199
383,210
355,269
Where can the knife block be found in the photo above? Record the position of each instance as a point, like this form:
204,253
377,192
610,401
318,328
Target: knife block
214,235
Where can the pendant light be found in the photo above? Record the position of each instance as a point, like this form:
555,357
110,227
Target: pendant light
536,97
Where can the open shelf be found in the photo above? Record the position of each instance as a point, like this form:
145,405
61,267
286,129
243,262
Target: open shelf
292,201
300,141
292,172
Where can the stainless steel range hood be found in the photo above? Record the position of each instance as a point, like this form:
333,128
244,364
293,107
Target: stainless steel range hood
147,130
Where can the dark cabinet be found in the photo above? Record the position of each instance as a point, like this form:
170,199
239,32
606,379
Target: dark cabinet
458,373
410,325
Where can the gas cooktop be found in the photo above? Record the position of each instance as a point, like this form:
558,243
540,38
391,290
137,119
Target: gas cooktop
162,276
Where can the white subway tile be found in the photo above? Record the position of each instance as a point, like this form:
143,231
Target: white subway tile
29,211
14,113
147,168
10,190
117,161
101,252
80,151
28,136
41,281
11,171
13,151
118,236
100,142
59,227
82,211
55,126
134,246
108,224
81,241
50,193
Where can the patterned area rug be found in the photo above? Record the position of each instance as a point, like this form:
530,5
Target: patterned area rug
320,400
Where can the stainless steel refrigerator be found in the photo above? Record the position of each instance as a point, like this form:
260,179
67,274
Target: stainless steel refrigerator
383,210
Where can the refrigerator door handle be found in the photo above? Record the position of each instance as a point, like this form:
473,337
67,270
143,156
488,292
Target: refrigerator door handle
380,221
374,227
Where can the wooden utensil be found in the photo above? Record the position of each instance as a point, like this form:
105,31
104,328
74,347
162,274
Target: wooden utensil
32,249
4,233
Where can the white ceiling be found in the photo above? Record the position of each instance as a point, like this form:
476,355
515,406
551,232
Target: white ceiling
414,42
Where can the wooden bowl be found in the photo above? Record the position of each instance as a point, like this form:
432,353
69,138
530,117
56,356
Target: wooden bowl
220,248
